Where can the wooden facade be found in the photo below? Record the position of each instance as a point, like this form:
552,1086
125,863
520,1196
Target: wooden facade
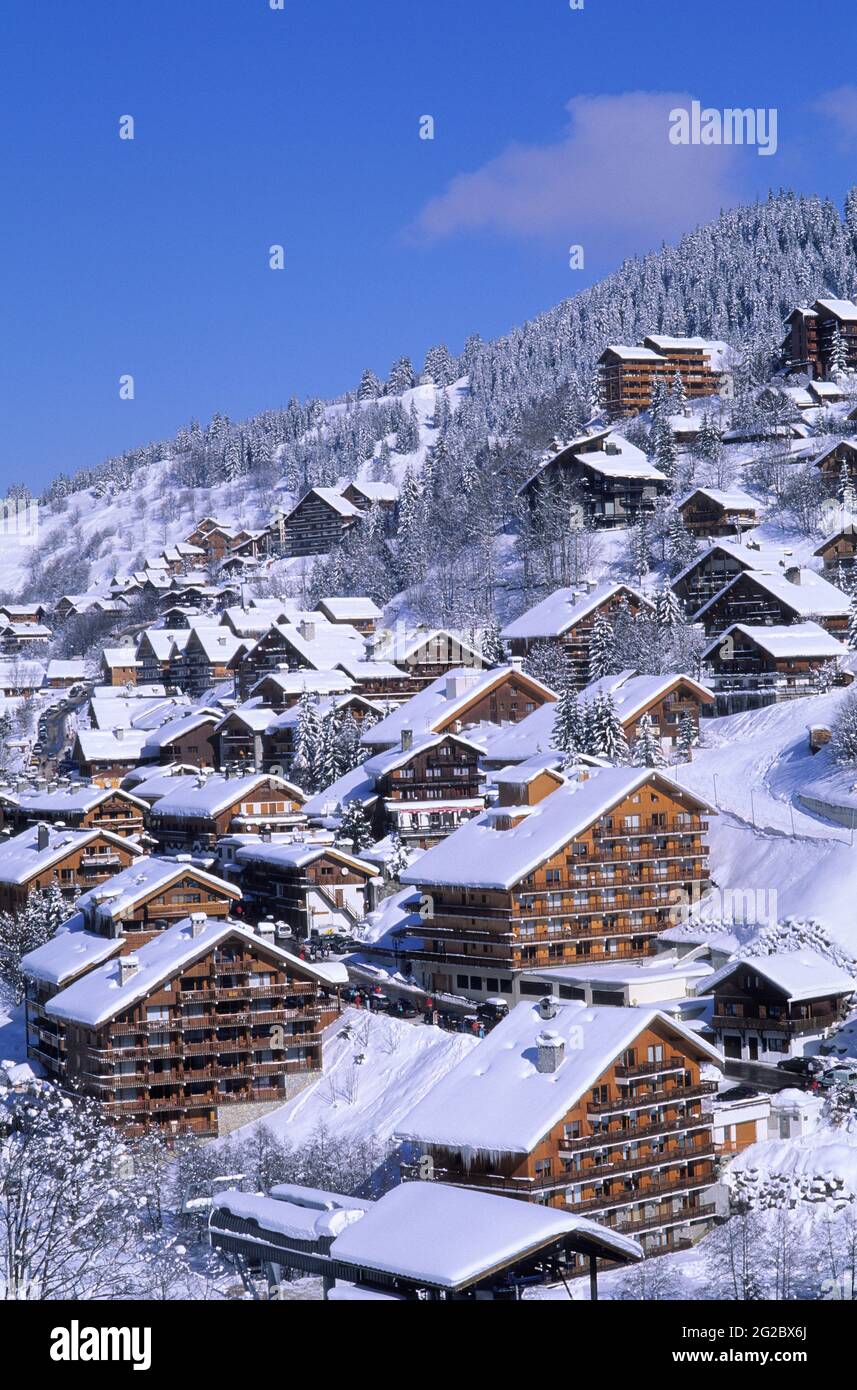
705,514
810,335
753,1018
635,1151
606,895
628,375
227,1028
88,861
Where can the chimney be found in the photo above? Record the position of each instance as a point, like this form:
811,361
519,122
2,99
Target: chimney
551,1051
43,836
307,630
267,929
119,733
197,923
128,967
407,740
548,1007
793,574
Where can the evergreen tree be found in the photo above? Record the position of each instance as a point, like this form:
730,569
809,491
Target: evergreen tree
349,751
838,363
569,726
678,395
852,622
640,548
606,735
354,826
648,751
370,387
602,644
308,739
682,548
548,663
27,927
668,612
709,443
401,377
843,738
398,858
491,645
687,737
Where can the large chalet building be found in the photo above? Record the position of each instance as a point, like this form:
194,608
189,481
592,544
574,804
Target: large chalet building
628,375
601,479
710,511
723,561
596,1110
197,1030
783,662
565,619
78,807
812,332
586,867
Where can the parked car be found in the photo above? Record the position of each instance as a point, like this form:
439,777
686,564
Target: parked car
403,1008
803,1066
843,1075
378,1001
490,1011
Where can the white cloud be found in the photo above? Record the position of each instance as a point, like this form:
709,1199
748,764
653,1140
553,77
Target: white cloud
612,179
840,106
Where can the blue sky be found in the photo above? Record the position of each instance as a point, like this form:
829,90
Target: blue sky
299,126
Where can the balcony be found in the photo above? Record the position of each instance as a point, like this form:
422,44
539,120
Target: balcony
656,1068
675,1095
703,1211
636,1196
611,1138
757,1023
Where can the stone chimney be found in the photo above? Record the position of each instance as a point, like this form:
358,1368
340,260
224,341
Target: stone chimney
43,836
128,967
197,923
307,630
551,1051
548,1006
267,929
793,574
407,740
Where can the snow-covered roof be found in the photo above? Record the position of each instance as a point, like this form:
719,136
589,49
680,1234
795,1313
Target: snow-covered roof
623,460
119,656
450,1237
21,858
298,856
96,998
208,796
377,492
350,609
289,1219
479,855
440,703
813,595
753,558
177,728
496,1099
555,615
842,308
111,745
121,893
76,798
296,682
730,501
72,669
789,641
633,354
797,974
71,952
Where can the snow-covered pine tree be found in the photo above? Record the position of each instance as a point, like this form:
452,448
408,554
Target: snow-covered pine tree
852,622
607,737
687,738
370,387
708,445
401,377
682,548
843,738
491,645
354,826
678,395
668,612
569,734
548,663
602,644
398,858
27,927
349,752
838,363
639,547
307,741
647,745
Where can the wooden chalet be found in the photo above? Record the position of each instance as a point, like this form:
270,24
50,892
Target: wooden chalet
314,889
595,1110
835,462
628,375
75,806
424,655
195,817
811,332
709,511
586,870
187,739
839,549
206,658
320,521
566,619
211,537
791,596
783,662
119,666
711,571
458,702
42,856
769,1007
601,479
195,1030
361,613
